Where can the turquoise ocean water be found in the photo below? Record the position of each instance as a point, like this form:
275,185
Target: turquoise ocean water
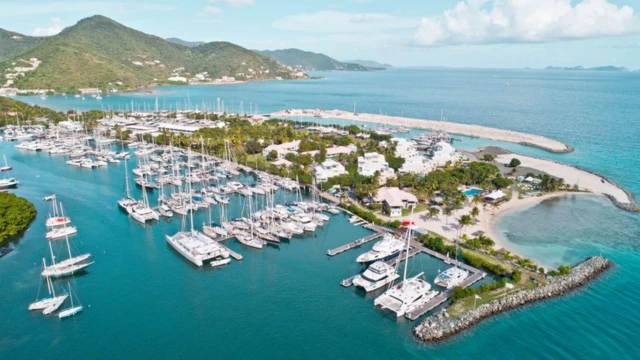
142,300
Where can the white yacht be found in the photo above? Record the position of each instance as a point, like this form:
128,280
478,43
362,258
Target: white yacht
73,309
8,183
220,262
385,249
52,302
376,276
61,232
194,245
408,295
143,212
451,277
128,202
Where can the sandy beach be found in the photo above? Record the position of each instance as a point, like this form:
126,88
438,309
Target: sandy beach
450,127
571,175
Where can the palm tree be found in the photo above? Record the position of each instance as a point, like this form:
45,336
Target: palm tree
495,206
465,220
447,212
477,199
433,212
475,212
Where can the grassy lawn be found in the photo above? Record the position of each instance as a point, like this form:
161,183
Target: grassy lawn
466,304
420,207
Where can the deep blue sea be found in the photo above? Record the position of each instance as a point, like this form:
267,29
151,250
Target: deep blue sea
142,300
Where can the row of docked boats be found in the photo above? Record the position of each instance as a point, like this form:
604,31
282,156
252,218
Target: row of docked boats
59,227
410,293
7,182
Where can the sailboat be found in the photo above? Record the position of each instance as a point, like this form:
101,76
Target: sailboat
142,212
127,203
248,238
72,310
51,303
410,293
192,244
57,223
6,166
68,266
213,231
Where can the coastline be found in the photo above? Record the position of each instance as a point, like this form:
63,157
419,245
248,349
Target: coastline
441,326
537,141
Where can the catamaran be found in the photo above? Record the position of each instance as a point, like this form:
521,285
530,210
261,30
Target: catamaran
385,249
376,276
52,302
410,293
72,310
194,245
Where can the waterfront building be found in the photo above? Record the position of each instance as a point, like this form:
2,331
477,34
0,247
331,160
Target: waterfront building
175,128
372,162
443,153
329,169
282,149
395,200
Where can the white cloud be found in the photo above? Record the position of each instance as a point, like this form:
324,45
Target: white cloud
343,22
52,29
525,21
212,10
234,2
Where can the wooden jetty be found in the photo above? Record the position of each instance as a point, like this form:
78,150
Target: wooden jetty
353,244
233,254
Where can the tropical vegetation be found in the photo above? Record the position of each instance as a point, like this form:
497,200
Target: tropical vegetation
15,215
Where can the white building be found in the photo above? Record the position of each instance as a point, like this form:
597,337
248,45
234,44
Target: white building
372,162
394,200
443,153
178,79
405,148
282,149
175,128
329,169
416,165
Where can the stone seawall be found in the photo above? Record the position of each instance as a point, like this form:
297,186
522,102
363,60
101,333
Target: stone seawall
440,326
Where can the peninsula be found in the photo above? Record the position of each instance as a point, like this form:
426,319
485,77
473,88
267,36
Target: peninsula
434,125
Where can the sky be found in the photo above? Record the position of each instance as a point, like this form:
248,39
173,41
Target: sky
468,33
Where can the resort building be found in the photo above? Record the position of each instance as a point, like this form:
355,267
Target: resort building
282,149
405,148
495,197
329,169
334,151
443,153
181,129
372,162
394,200
416,165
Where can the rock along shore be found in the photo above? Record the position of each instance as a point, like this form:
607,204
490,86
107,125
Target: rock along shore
441,326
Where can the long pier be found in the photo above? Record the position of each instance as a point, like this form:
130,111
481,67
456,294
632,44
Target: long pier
233,254
354,244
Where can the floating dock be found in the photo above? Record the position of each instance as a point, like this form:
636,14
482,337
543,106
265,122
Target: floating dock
354,244
233,254
414,249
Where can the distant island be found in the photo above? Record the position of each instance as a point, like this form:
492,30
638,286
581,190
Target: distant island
310,61
98,54
370,63
596,68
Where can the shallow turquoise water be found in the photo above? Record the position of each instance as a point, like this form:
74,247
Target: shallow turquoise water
146,301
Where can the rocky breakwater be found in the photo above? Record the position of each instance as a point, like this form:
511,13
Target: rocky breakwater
441,326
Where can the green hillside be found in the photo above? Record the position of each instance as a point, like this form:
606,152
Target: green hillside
307,60
371,64
12,44
98,52
25,112
185,42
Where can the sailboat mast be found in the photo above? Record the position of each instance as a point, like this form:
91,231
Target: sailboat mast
406,261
